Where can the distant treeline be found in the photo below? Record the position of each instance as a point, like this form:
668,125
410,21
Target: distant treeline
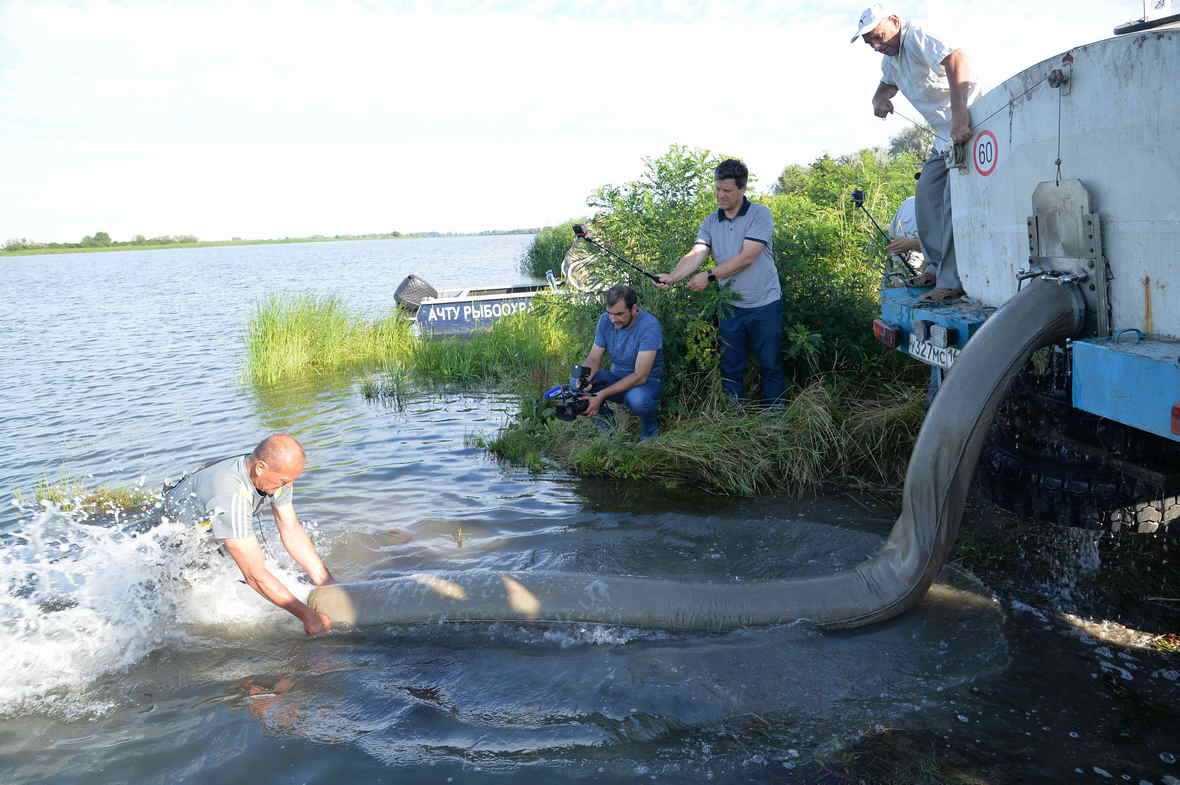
103,241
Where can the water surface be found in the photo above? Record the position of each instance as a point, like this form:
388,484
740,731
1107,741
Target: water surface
138,657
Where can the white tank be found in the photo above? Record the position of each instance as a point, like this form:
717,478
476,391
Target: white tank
1114,124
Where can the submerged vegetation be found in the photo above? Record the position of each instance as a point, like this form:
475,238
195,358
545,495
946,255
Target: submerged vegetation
70,494
854,408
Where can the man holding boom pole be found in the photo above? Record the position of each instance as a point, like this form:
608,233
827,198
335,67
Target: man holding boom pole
739,235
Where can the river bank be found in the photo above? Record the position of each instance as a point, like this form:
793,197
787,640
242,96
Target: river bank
149,246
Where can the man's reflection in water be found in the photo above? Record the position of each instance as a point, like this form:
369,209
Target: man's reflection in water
275,706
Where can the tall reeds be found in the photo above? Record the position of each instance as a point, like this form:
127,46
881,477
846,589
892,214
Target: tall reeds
293,337
306,335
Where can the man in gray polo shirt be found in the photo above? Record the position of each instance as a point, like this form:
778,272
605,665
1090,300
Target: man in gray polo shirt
225,495
739,235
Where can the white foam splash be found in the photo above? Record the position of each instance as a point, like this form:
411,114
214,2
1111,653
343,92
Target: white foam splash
80,600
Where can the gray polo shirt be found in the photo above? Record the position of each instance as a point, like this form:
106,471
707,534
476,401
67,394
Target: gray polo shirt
221,496
758,284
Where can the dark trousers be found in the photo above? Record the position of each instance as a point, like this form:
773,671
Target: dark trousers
758,330
932,203
643,401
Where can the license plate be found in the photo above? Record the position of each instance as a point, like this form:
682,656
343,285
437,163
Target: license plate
942,356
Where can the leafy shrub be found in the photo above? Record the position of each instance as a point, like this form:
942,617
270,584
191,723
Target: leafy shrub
547,250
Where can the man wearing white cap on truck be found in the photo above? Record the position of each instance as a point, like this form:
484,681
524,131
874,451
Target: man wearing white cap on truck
936,79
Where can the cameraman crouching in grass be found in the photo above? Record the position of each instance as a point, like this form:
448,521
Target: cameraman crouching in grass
635,342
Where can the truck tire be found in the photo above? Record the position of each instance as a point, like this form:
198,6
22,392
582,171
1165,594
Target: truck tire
1052,462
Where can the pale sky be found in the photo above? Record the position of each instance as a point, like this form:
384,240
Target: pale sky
275,119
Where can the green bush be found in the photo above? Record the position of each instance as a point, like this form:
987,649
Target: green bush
854,406
547,250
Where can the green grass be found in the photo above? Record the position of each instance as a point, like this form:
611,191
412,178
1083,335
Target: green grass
1169,643
70,494
306,335
898,757
834,428
302,337
827,432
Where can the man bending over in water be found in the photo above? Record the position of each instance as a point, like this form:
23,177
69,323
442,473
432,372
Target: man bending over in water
226,495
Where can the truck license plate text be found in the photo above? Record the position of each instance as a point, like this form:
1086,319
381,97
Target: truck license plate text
943,357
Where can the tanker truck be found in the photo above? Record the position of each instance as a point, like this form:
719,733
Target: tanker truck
1071,177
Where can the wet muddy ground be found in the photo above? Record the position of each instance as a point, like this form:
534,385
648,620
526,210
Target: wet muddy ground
1092,692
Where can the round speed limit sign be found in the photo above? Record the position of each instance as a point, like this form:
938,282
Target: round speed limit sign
986,153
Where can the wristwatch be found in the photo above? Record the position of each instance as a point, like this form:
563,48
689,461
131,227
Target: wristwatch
712,277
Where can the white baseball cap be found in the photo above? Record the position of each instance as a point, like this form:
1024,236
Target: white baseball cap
871,17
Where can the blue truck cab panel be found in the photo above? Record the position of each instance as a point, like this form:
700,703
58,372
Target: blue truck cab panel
1130,378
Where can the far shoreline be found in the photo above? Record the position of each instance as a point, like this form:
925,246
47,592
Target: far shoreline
281,241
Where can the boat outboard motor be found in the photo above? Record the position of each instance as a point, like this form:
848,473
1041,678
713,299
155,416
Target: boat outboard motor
412,291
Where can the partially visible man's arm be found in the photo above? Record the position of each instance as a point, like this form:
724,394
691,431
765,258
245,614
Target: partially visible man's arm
687,264
247,554
298,544
958,74
594,358
903,244
644,362
882,106
731,266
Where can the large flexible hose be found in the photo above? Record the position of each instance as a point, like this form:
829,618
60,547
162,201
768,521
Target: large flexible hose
889,583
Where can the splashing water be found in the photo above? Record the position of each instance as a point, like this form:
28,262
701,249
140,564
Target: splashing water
80,600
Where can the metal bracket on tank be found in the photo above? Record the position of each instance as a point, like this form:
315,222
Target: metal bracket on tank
956,156
1062,78
1065,244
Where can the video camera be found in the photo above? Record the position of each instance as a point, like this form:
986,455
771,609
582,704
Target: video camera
570,400
858,198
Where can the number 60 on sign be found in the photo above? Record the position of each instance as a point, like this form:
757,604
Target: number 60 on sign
986,153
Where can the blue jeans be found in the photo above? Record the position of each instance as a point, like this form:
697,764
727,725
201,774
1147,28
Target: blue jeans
643,401
759,330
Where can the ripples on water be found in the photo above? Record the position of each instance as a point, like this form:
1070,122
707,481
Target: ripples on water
138,656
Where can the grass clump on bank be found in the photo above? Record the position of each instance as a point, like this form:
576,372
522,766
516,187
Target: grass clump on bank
828,432
301,335
306,336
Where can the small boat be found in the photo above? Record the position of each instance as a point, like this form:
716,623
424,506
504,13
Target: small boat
454,312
